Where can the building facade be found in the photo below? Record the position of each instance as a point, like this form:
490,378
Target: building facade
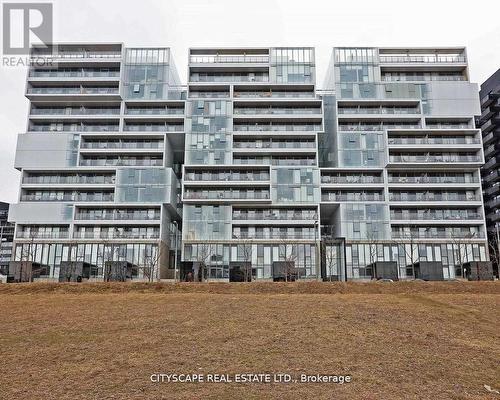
263,172
489,122
100,159
6,238
401,179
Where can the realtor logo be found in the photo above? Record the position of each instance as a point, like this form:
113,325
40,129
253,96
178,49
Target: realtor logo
25,25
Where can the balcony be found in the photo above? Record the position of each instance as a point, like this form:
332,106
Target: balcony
274,145
352,197
69,197
122,144
431,197
272,94
423,59
153,127
277,128
352,179
438,235
452,215
73,93
154,111
74,111
115,162
60,127
424,140
118,216
116,235
225,195
235,176
277,111
432,179
376,127
42,235
69,180
438,158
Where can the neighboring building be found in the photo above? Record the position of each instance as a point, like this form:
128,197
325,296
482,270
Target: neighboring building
403,181
489,122
6,238
100,158
378,172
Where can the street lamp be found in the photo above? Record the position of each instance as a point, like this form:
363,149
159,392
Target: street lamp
317,255
175,254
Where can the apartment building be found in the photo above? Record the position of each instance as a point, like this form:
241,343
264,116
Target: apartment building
6,238
249,170
251,177
401,182
489,122
100,159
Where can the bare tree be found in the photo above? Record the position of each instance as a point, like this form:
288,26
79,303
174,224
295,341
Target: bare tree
330,251
203,256
151,263
108,256
288,254
494,252
372,239
409,244
27,259
460,244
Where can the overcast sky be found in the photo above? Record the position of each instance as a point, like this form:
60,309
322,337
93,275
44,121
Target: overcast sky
180,24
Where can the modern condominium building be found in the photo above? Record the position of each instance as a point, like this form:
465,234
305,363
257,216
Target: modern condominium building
489,122
100,159
251,178
401,182
276,179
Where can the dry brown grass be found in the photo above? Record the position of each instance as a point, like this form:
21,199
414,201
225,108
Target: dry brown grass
398,341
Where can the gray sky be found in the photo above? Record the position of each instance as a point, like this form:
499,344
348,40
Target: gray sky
180,24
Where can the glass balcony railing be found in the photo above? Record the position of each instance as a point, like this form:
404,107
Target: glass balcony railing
434,158
110,162
432,197
428,59
112,216
155,111
261,216
72,90
284,94
379,110
77,54
85,73
447,126
276,111
153,127
202,95
68,197
274,145
376,127
61,180
273,161
73,128
226,195
433,234
275,235
435,140
42,235
75,111
122,145
431,179
220,176
352,197
229,78
423,78
351,179
273,128
437,216
233,59
116,235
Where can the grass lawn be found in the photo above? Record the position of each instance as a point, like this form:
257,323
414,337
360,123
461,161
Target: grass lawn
103,341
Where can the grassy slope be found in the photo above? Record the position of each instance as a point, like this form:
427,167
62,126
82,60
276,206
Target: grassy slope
416,341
